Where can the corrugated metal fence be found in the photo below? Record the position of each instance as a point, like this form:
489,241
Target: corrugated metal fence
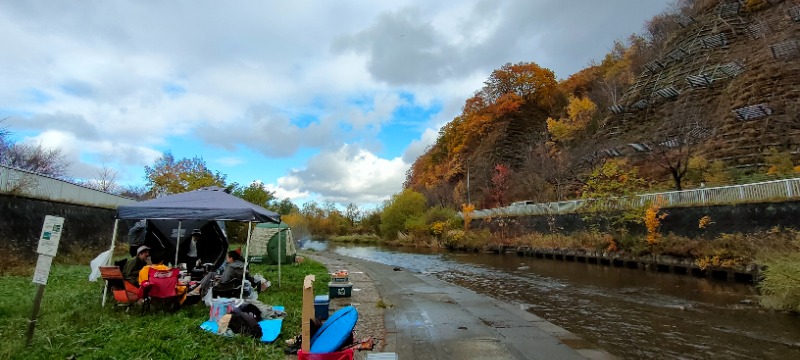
755,192
28,184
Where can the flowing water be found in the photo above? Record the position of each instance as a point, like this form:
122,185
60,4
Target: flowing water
631,313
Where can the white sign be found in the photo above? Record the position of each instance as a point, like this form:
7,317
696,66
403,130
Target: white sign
51,234
42,271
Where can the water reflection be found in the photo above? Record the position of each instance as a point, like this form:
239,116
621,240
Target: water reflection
631,313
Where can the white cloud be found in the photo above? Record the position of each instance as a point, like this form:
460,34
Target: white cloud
117,83
350,174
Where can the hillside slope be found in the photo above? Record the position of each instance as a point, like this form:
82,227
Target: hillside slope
729,77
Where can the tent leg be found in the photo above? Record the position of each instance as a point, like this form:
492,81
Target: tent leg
280,242
111,258
246,252
178,242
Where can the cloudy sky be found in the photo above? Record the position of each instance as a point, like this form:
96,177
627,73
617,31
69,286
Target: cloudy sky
319,100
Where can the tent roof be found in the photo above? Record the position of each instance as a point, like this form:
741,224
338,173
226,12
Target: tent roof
211,203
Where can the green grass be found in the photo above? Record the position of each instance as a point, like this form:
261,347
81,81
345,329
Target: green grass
357,239
72,324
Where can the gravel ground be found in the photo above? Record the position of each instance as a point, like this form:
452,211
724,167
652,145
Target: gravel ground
365,298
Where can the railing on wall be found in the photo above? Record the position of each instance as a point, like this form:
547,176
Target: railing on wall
29,184
761,191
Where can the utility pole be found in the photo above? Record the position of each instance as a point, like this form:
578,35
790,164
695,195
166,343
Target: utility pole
468,199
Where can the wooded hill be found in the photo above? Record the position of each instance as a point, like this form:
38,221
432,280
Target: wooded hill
708,94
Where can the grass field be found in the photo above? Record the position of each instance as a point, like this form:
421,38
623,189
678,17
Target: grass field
73,325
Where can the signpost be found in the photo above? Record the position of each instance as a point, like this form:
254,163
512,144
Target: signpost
48,246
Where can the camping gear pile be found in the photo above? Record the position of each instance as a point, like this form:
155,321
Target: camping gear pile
228,317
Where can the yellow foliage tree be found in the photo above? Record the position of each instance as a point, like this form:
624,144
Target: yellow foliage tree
466,211
780,163
579,112
652,220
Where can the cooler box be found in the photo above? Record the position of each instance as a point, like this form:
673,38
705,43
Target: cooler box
339,290
340,279
340,276
321,305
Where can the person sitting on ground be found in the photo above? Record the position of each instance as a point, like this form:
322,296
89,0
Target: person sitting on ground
130,271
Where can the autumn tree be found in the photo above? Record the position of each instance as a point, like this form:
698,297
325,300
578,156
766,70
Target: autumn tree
167,176
501,179
779,163
402,208
527,81
255,193
614,179
579,113
371,222
285,207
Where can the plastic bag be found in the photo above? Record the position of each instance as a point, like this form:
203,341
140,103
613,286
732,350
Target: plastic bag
97,262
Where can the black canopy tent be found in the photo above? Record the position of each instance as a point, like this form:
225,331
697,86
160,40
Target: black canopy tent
161,236
211,203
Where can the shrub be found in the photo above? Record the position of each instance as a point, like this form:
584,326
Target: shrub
780,287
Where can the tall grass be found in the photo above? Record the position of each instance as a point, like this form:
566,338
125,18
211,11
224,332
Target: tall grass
780,288
72,324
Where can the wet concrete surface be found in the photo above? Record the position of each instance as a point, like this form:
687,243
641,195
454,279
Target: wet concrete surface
630,313
430,319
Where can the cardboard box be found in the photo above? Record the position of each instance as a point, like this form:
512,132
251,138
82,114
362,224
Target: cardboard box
308,311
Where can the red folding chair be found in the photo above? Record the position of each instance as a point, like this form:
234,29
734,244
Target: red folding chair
162,286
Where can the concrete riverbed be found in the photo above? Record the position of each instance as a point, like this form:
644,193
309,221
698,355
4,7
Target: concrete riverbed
425,318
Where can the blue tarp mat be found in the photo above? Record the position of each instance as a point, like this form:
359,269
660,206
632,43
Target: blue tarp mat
270,329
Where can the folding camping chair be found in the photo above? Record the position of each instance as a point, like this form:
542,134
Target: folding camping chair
162,286
124,292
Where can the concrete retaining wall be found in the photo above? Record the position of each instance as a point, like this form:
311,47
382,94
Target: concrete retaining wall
85,228
746,218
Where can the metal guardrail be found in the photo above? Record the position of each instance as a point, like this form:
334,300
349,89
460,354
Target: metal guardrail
761,191
29,184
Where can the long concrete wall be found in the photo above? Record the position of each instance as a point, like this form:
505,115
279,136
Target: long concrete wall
746,218
85,228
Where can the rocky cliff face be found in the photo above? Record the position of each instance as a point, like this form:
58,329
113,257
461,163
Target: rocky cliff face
729,82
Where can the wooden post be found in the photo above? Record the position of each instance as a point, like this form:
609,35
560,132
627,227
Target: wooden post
308,311
37,302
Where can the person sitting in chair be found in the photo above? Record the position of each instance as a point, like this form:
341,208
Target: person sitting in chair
234,267
157,263
132,267
230,280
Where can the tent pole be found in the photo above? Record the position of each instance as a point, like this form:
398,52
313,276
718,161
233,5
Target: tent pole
280,232
113,242
178,242
246,252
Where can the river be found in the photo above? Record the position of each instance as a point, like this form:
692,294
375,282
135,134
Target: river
631,313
